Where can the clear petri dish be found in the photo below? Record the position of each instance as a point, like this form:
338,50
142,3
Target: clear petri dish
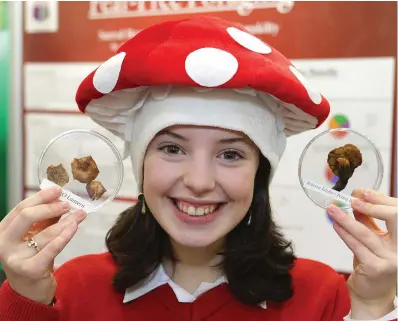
335,163
87,166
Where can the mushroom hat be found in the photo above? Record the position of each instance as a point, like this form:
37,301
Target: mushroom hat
200,71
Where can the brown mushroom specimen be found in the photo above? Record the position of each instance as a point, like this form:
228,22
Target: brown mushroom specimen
84,169
343,161
95,190
57,174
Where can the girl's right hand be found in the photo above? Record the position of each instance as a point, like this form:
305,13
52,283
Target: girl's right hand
29,270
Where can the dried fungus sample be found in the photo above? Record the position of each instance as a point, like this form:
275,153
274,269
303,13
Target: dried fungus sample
84,169
343,161
57,174
95,190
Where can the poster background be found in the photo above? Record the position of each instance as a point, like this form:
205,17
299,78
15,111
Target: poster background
353,39
309,30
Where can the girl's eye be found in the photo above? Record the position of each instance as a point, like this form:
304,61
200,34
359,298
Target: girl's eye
231,155
171,149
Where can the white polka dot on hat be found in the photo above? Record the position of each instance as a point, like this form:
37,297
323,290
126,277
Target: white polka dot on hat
107,75
211,67
249,41
204,71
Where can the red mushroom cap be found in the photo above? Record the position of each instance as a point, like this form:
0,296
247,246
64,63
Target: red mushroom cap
207,52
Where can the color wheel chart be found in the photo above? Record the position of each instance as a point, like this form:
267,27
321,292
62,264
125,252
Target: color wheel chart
339,121
330,176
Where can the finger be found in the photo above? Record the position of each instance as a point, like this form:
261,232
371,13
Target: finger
361,252
357,230
369,222
375,197
46,236
42,260
40,226
43,196
30,215
381,212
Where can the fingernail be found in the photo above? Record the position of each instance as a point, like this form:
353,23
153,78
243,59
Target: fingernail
65,205
357,203
56,189
367,193
81,215
332,209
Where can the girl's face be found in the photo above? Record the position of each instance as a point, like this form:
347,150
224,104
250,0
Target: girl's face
199,181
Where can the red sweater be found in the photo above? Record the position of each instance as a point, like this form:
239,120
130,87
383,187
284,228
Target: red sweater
85,293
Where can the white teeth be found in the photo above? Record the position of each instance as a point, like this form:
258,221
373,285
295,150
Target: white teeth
191,210
195,211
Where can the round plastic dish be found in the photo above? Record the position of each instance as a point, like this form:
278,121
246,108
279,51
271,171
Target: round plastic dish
81,144
317,178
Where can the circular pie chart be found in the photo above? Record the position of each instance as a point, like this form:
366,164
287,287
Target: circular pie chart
339,121
330,176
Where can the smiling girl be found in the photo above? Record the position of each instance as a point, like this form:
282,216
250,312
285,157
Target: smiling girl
204,109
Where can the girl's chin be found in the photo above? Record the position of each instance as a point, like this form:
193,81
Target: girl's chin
200,239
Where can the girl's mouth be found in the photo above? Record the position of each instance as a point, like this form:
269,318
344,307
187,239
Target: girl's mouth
192,213
196,210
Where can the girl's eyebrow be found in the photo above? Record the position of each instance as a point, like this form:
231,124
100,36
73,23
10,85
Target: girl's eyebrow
221,141
169,133
232,140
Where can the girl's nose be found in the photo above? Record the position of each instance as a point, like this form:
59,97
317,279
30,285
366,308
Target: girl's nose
199,177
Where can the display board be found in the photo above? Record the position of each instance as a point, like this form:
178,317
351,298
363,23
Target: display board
349,60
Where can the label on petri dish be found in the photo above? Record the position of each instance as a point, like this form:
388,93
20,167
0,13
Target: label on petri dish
74,200
338,196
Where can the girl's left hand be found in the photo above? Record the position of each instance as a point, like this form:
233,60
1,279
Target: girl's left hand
374,277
